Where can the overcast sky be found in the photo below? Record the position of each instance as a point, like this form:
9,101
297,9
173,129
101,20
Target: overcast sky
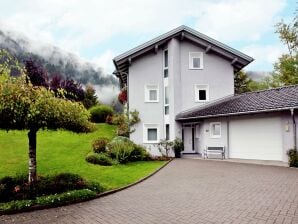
98,30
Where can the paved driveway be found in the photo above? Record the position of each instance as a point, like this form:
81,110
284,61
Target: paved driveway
190,191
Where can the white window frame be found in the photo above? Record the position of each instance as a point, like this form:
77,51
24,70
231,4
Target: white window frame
196,55
211,130
149,87
201,87
145,132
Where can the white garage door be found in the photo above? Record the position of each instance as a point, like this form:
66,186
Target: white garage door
256,138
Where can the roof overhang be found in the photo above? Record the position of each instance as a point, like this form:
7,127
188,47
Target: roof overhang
186,119
237,59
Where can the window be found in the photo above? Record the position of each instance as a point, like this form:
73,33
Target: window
151,133
195,60
215,130
167,132
165,64
201,93
151,93
167,110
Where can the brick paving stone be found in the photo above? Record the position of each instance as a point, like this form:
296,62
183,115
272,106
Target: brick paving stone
189,191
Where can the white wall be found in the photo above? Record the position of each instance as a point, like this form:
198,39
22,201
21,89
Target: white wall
148,69
143,71
217,73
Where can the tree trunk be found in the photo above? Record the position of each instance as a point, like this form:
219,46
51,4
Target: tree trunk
32,157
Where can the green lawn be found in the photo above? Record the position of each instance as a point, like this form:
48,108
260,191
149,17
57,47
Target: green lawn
64,151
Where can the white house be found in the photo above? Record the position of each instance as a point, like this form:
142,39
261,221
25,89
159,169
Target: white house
182,83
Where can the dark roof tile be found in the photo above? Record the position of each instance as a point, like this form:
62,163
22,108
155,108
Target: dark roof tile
251,102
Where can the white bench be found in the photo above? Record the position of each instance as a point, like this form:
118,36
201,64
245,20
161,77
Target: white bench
214,150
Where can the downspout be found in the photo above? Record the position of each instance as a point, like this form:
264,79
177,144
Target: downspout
228,138
294,129
127,91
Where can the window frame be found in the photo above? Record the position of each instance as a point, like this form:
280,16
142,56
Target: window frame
145,133
149,87
211,130
190,60
199,87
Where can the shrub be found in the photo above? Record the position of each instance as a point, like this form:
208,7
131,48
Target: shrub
178,146
121,139
109,119
55,199
99,158
17,188
120,150
99,113
293,158
139,153
99,145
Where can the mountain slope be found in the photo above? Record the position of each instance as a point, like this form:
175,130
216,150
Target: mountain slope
54,60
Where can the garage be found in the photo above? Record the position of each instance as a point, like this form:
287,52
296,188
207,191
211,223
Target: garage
256,138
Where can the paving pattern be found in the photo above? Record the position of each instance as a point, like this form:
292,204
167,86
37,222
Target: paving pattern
189,191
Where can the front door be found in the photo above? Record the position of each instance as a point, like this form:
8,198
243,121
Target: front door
188,140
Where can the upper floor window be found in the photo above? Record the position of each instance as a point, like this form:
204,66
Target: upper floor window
201,93
151,93
165,64
215,130
195,60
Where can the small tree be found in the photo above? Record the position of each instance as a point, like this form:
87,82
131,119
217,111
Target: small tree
36,73
164,147
90,97
125,124
241,82
27,107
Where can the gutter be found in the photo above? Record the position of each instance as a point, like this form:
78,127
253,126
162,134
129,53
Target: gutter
236,113
294,129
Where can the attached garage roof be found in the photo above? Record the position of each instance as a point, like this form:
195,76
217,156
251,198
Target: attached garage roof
270,100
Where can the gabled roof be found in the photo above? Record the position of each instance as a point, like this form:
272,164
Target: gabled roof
271,100
237,58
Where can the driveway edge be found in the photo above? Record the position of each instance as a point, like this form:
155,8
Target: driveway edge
106,193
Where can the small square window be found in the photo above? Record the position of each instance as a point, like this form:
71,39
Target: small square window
152,134
201,93
151,93
195,60
215,131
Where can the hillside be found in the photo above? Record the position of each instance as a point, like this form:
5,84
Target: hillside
55,60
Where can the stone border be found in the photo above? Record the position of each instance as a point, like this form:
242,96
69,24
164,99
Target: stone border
106,193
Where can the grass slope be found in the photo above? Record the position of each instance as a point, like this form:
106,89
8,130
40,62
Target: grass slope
64,151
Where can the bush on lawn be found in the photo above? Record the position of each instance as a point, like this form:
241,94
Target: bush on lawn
17,188
99,158
99,113
293,158
99,145
139,153
124,150
120,150
56,199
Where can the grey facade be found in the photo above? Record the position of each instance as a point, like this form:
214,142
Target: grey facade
183,70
